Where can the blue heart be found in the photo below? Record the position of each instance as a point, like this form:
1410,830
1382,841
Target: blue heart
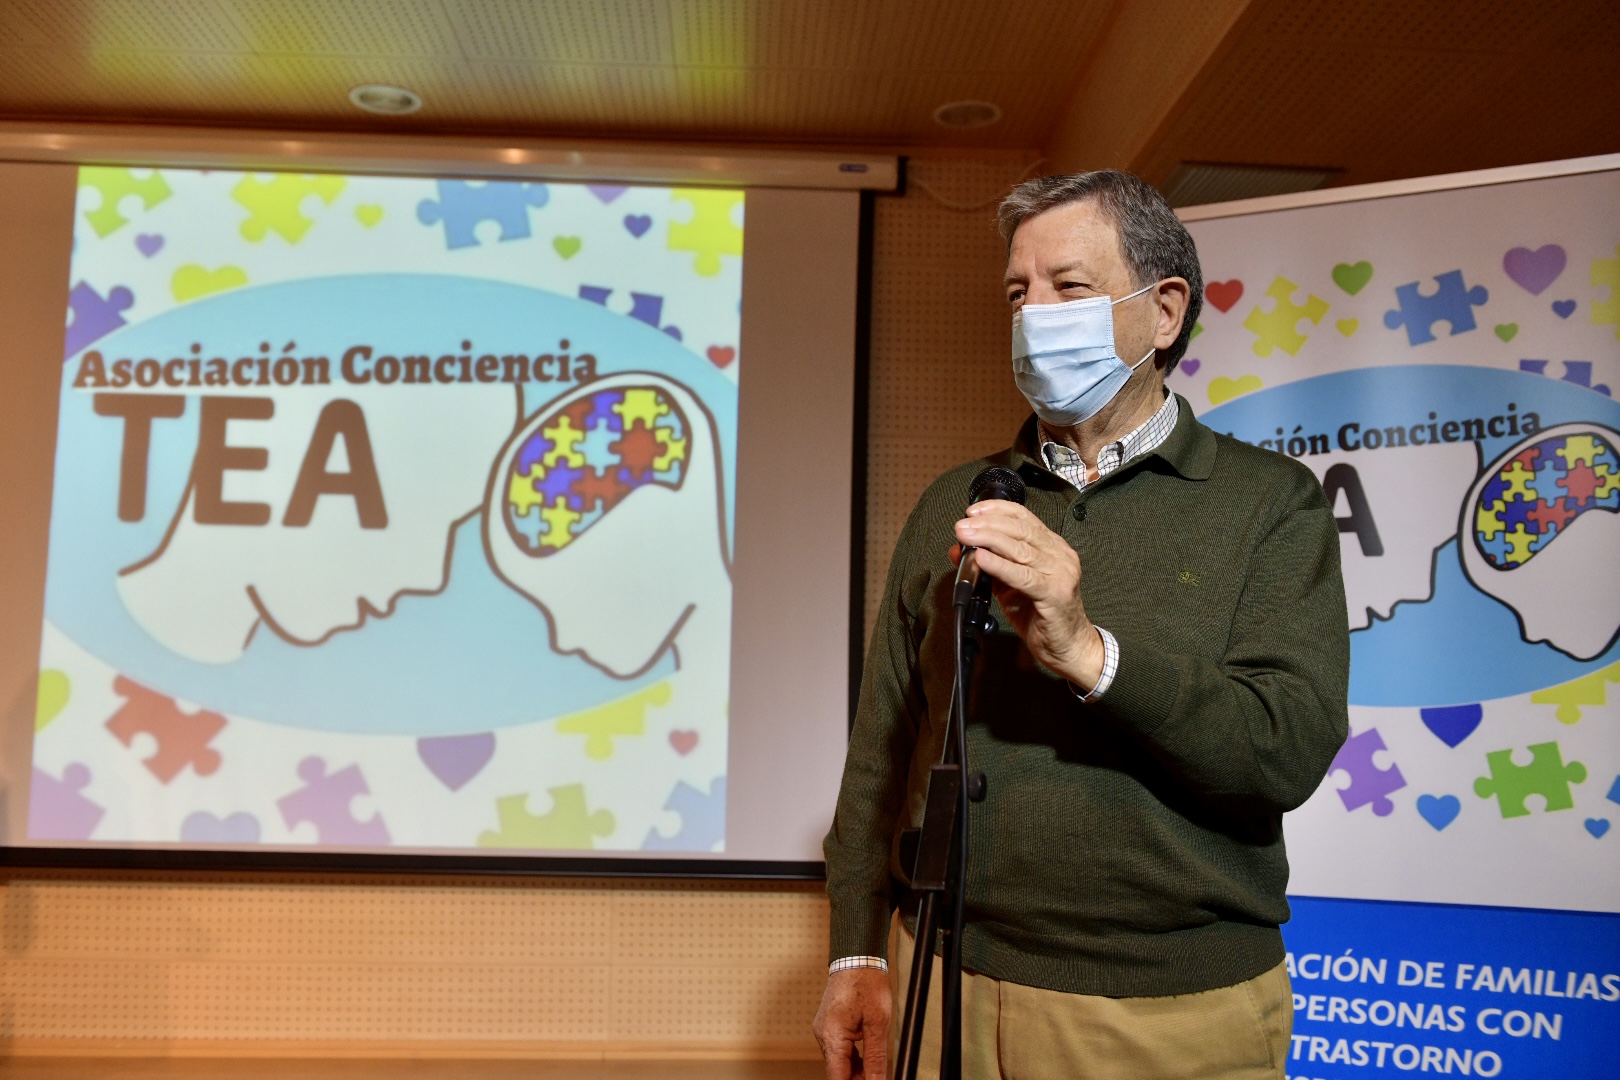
640,223
1439,810
1597,826
1614,791
1451,724
1563,308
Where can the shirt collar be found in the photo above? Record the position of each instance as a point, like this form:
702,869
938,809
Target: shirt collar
1189,448
1143,439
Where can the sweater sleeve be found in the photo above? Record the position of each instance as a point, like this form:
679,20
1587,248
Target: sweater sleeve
1266,720
872,794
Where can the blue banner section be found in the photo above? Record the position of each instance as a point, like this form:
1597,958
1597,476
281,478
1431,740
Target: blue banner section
1387,989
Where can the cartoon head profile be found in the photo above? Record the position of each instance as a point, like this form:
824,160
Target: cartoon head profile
605,508
1540,531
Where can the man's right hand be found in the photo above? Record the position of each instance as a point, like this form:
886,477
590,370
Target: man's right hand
855,1008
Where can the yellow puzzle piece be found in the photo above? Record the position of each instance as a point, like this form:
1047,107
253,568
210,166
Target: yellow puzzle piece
617,719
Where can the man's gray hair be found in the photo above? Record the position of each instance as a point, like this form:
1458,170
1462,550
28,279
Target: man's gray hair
1154,242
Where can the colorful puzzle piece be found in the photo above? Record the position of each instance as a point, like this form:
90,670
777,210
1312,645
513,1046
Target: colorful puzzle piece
1452,302
1607,312
1578,372
1546,775
324,801
569,826
1368,783
93,316
462,206
57,809
710,233
617,719
703,819
182,737
1570,697
277,205
115,185
1533,498
586,458
1279,327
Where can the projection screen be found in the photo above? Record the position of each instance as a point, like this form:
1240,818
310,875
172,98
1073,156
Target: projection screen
366,517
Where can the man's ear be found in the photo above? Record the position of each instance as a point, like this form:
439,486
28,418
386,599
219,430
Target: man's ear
1174,296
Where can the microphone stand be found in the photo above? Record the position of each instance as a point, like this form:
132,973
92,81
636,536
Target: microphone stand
937,852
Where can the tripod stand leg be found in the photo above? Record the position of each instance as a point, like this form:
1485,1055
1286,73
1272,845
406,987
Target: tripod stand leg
909,1052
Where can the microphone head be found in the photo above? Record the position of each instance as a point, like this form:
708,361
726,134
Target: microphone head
997,482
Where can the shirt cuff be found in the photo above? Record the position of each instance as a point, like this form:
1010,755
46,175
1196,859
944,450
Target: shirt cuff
1110,669
849,962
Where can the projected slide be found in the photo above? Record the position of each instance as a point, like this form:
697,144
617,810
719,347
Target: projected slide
392,513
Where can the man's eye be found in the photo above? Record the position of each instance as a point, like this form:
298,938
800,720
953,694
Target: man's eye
1015,296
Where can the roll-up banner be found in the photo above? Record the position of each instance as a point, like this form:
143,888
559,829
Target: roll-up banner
1445,359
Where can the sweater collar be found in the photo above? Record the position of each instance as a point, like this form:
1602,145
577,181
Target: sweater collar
1189,449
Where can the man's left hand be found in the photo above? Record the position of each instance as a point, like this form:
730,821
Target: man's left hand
1037,581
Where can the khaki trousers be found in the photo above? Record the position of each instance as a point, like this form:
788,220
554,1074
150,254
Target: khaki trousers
1013,1032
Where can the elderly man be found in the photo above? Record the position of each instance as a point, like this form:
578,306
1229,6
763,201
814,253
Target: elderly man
1169,678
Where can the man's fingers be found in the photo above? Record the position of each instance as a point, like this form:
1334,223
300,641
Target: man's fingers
1018,575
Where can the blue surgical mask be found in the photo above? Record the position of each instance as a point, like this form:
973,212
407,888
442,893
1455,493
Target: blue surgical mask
1063,357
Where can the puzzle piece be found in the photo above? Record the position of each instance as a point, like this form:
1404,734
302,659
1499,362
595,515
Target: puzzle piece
1571,696
711,232
1517,478
559,521
324,801
1546,775
642,404
1578,450
93,316
57,809
463,205
276,205
182,737
673,450
1607,312
569,825
117,184
522,491
1368,783
1452,302
563,443
1279,327
703,819
1530,501
1578,372
617,719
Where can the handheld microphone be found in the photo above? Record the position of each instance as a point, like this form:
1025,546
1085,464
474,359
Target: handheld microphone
996,482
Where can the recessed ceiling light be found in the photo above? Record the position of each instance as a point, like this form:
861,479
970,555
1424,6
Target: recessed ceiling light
385,100
967,114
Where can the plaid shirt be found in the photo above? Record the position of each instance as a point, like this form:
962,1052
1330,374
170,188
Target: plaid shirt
1068,464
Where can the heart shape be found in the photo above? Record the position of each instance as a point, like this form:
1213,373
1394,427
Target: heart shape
1224,389
192,281
1223,294
1198,328
1439,810
1190,366
1347,326
605,192
456,759
567,246
684,742
1451,724
54,691
1597,826
1352,277
149,244
1534,270
721,355
204,828
637,224
368,214
1563,308
1507,331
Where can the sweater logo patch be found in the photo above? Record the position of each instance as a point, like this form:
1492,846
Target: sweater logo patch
1187,577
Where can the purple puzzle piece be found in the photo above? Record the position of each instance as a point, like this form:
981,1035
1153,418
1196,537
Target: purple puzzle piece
456,759
324,802
94,316
1368,783
603,412
1534,270
56,808
204,828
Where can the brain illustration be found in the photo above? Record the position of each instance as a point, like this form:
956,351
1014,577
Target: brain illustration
1535,496
586,458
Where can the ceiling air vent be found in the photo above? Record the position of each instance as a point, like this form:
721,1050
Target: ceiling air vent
1194,183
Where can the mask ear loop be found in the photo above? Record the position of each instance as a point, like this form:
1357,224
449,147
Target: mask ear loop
1133,296
1144,359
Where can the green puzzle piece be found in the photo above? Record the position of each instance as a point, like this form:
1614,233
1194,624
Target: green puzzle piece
115,185
569,825
1546,775
1279,327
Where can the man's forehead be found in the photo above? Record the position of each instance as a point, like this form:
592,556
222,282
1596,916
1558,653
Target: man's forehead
1071,237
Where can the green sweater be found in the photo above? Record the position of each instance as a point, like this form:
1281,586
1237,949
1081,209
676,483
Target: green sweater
1132,846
